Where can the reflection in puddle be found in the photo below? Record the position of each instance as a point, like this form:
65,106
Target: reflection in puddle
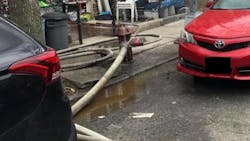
116,97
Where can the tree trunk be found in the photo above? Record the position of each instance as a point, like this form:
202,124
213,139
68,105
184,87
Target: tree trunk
26,14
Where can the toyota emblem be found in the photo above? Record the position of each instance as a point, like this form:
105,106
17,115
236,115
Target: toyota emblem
219,44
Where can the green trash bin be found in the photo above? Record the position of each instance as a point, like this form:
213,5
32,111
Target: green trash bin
56,30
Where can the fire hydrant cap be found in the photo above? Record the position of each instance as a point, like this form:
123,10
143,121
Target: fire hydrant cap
123,30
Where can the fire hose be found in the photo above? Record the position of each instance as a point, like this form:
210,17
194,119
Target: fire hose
84,133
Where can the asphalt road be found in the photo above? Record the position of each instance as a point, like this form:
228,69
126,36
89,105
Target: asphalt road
185,109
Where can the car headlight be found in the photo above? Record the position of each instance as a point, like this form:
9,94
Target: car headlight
187,37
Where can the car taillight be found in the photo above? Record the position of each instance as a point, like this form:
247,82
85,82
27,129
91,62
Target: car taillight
45,65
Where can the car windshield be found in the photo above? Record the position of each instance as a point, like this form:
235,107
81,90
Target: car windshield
232,4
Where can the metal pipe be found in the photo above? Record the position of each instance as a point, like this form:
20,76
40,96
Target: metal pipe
79,22
113,10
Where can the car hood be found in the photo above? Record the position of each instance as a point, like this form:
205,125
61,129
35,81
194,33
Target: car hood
221,24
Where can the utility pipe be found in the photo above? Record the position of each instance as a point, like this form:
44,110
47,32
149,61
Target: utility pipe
76,54
87,133
74,66
100,84
81,137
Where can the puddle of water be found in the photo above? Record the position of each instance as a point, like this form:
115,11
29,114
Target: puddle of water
116,97
112,98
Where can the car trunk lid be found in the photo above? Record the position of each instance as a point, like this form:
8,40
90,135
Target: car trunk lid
26,68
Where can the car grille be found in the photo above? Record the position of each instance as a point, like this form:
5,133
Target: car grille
229,47
213,65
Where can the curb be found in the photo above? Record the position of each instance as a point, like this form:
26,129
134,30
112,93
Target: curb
160,22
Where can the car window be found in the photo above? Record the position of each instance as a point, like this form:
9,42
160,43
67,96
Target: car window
15,45
232,4
10,37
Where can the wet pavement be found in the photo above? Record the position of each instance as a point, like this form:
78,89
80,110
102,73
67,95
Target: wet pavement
113,98
170,32
185,109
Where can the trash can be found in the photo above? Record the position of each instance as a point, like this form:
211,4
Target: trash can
56,30
163,12
166,11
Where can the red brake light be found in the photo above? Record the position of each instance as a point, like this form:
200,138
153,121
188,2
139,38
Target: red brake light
45,65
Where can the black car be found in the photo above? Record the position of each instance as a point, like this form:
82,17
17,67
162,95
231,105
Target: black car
33,106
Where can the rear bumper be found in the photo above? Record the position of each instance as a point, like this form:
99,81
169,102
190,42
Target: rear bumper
51,121
192,60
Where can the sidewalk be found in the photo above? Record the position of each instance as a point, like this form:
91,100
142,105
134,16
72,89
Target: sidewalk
97,27
164,52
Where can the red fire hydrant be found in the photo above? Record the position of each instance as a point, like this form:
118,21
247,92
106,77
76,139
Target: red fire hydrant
124,34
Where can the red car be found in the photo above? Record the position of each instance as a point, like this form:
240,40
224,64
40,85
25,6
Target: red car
217,43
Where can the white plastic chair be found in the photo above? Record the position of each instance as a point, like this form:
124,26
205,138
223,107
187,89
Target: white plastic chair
127,4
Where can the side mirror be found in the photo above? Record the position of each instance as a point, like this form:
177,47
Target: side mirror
210,3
